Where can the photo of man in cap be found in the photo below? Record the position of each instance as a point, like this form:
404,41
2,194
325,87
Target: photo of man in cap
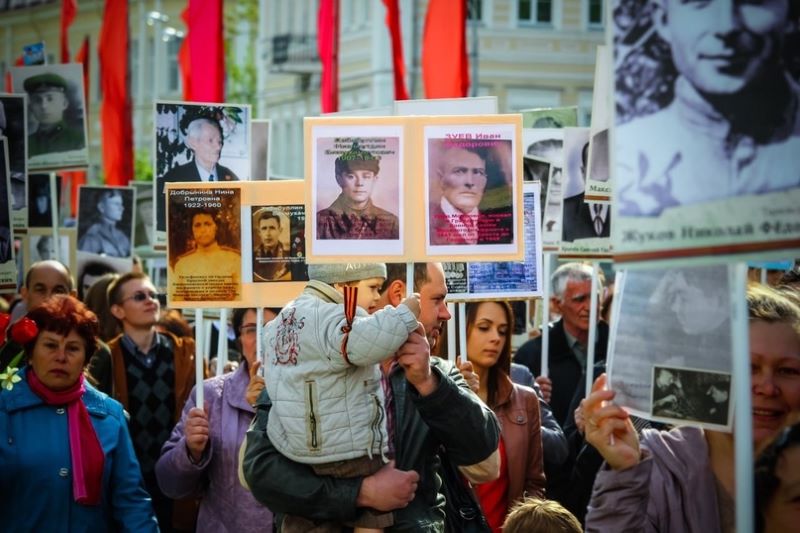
48,102
353,215
270,257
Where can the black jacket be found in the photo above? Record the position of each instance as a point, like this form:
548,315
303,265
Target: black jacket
451,416
564,368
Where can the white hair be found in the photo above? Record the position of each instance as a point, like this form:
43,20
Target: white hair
570,272
193,130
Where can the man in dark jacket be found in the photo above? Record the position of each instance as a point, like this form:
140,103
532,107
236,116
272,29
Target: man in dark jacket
429,405
569,336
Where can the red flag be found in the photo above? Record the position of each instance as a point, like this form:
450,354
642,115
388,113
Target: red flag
9,85
69,8
115,109
393,22
202,56
75,179
328,48
82,57
445,67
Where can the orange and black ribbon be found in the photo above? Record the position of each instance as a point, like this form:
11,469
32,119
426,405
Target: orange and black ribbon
350,302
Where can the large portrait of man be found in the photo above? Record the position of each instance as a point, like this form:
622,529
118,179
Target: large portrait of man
707,106
353,215
580,219
199,143
470,193
13,126
56,114
279,242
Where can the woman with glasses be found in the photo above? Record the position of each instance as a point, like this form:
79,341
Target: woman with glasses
201,456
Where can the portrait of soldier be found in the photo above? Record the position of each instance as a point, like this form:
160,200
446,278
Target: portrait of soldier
48,102
582,220
103,236
457,218
270,257
204,139
732,127
353,215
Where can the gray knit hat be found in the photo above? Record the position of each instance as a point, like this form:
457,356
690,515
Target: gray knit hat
344,272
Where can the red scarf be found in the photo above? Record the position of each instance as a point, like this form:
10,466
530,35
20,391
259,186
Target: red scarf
84,446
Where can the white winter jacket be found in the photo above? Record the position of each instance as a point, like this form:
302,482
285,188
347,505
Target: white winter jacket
324,409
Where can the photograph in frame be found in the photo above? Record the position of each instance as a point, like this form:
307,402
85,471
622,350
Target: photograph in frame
677,317
551,218
14,127
585,226
40,213
56,129
106,219
356,190
598,183
204,252
470,188
689,396
481,280
705,139
39,245
279,243
8,266
199,143
143,232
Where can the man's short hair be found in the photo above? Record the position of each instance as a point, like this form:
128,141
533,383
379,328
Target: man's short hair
266,215
107,194
570,272
194,127
397,271
115,288
542,516
70,281
94,269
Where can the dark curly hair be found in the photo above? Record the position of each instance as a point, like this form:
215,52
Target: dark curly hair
63,314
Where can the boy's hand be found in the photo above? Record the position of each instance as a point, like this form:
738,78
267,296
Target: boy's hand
412,302
415,358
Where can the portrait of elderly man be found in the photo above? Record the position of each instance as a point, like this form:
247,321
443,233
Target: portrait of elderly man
353,215
103,237
48,103
461,178
270,257
204,139
732,127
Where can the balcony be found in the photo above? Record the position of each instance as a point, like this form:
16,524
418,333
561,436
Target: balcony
294,54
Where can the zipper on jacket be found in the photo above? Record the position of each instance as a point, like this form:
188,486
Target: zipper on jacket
375,428
312,417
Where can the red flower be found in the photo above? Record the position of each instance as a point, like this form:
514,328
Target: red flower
4,320
24,331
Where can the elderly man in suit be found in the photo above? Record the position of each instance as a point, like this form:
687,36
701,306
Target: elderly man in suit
204,139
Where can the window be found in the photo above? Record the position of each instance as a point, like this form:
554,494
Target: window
475,10
519,98
173,68
585,108
535,11
595,13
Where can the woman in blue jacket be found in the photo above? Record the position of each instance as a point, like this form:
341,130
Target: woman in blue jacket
66,458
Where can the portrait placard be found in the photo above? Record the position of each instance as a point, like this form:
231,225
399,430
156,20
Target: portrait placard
198,143
56,129
40,212
8,266
471,189
585,226
144,226
670,341
106,219
239,244
551,219
356,190
598,183
14,126
507,280
39,247
550,117
705,141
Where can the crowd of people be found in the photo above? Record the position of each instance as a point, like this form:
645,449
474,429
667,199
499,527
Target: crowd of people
353,422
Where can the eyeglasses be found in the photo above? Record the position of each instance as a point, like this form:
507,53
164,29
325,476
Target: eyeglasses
140,296
248,329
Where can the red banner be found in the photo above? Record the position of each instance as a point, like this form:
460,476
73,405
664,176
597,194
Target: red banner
445,66
328,48
69,8
202,55
115,110
393,23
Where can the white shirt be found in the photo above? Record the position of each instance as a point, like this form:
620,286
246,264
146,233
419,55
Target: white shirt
470,235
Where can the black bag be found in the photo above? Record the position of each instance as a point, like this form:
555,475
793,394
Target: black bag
463,512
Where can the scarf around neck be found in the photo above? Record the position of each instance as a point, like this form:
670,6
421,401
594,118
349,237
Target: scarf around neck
86,453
